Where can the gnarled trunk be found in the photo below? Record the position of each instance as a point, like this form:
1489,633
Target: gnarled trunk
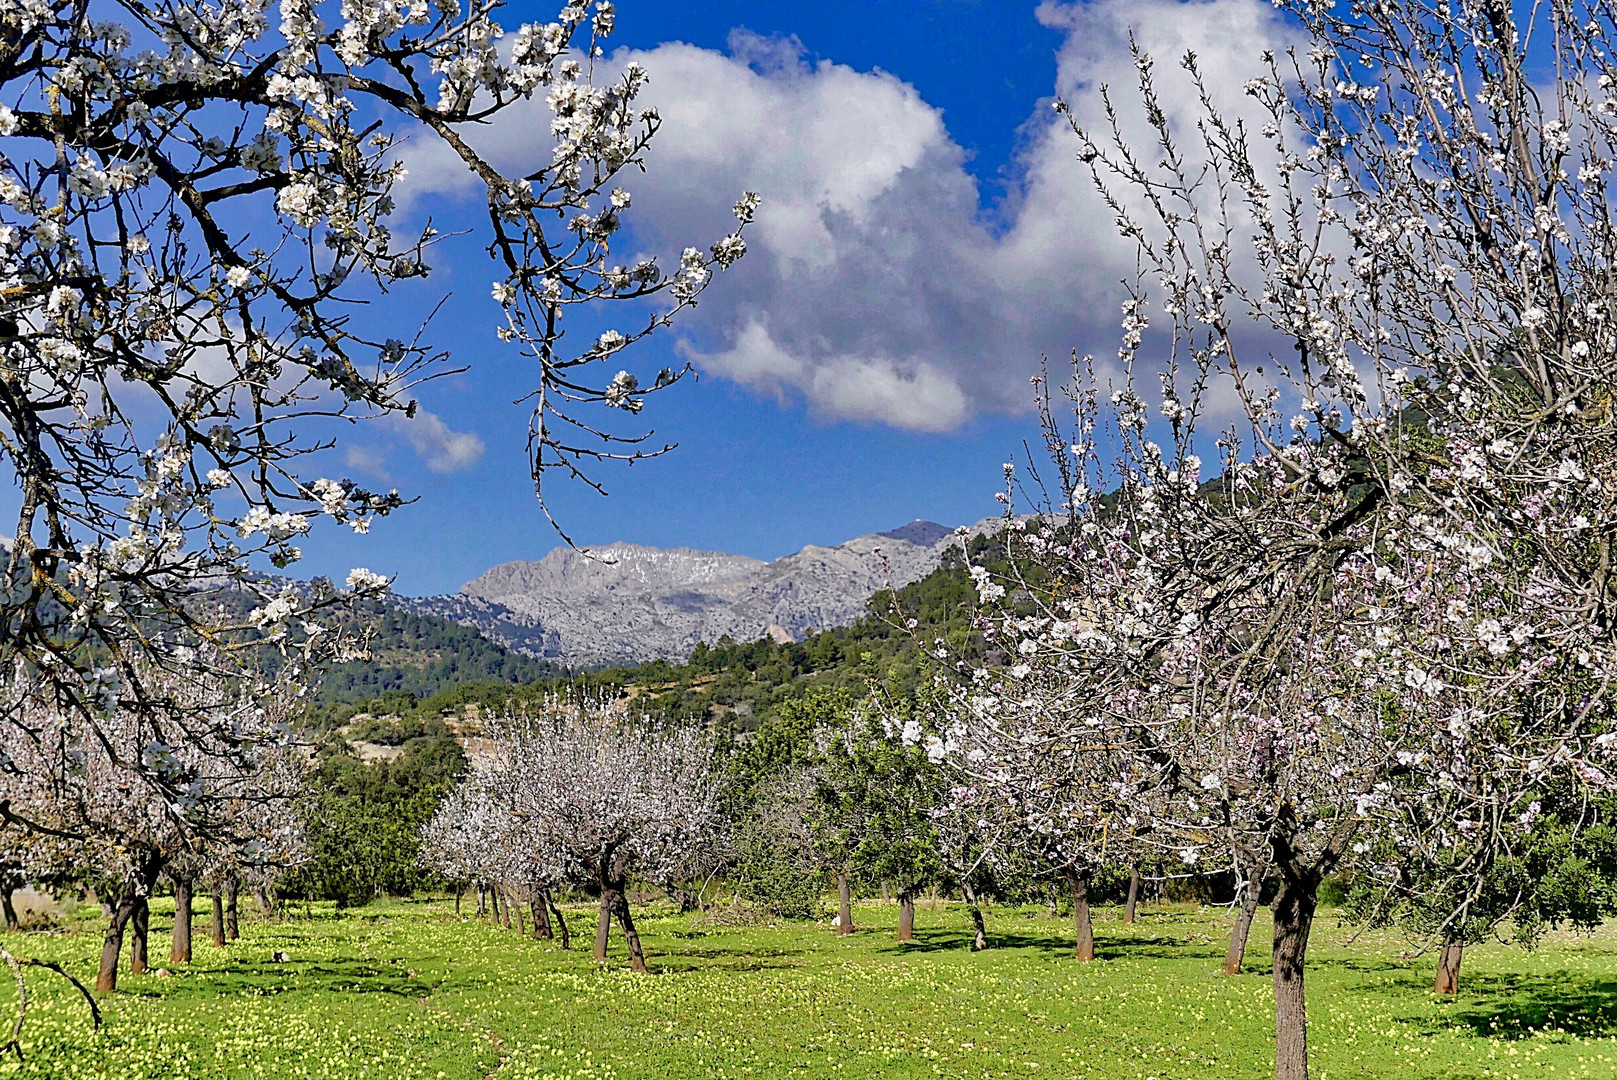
232,923
906,916
12,923
845,906
561,922
979,940
106,979
1083,929
1134,894
1294,909
541,917
1448,967
1235,956
637,956
180,951
603,924
218,895
140,925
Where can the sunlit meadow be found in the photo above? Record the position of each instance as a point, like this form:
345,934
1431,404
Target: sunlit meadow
409,990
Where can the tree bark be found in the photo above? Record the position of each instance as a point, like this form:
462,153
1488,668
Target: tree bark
480,901
1235,957
218,894
180,951
845,906
457,903
504,899
106,979
12,923
1294,909
561,922
603,926
1134,894
885,894
522,927
140,924
637,956
541,917
1448,967
979,939
906,916
1083,929
232,923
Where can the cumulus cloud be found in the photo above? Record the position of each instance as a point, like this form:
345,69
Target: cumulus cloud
443,449
881,284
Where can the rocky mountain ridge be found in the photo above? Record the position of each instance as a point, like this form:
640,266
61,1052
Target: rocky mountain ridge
629,603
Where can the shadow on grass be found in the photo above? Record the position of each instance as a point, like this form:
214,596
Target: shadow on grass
1516,1005
272,979
1106,947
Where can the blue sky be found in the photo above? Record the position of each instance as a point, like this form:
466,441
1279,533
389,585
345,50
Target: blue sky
925,234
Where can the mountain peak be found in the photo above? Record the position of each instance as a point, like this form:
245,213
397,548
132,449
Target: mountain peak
920,532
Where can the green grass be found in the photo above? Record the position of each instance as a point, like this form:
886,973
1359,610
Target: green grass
402,991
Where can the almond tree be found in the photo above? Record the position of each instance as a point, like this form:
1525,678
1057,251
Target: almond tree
1400,568
195,201
588,792
1274,664
100,814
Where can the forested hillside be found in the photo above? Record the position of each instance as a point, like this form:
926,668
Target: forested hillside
425,667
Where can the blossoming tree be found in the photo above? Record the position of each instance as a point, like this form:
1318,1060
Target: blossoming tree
195,200
1391,600
583,792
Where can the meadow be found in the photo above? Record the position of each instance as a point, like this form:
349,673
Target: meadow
411,991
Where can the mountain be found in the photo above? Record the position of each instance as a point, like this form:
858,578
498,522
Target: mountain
628,603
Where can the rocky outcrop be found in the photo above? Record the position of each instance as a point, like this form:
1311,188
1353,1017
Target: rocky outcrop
627,603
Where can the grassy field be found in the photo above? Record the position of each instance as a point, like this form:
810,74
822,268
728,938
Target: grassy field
407,990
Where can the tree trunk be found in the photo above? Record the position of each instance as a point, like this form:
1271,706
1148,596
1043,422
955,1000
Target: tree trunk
480,901
1294,918
522,927
140,924
218,916
12,924
885,895
845,903
1236,956
561,922
637,956
1448,967
603,925
457,903
906,916
106,979
541,917
232,924
1134,894
1084,930
261,895
180,952
503,898
979,940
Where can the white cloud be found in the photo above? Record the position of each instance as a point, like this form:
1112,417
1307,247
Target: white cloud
880,285
368,462
443,449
